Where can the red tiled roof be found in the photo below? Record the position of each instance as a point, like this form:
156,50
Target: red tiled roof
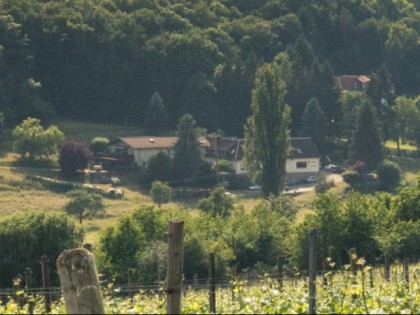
347,82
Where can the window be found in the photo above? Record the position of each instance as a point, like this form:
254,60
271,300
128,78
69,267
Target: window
301,164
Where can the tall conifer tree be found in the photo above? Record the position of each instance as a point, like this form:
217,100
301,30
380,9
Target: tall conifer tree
267,137
366,143
187,157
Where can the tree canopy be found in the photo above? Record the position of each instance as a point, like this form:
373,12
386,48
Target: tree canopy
102,60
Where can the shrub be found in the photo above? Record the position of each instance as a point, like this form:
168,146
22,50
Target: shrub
25,237
353,179
218,203
99,144
389,176
74,156
322,185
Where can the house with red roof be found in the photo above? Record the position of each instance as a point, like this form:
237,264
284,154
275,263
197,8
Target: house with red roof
352,82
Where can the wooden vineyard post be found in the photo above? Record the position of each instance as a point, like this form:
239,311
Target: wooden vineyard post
406,273
174,270
212,285
28,285
79,282
387,268
88,246
280,270
371,277
353,263
46,283
324,272
312,271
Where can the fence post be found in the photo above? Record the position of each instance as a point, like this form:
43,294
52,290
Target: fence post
353,263
387,268
371,277
28,285
324,272
280,269
79,282
28,279
312,271
212,285
46,283
406,272
175,262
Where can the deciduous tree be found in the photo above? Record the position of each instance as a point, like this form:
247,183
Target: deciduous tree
84,204
32,141
160,192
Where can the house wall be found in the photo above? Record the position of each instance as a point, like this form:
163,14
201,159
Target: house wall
298,165
142,156
118,148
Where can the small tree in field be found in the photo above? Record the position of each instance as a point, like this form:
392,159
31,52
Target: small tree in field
84,204
74,156
160,192
218,203
32,141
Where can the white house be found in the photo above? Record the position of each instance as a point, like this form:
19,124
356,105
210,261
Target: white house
303,160
143,148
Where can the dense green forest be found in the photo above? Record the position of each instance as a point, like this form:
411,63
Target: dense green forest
102,60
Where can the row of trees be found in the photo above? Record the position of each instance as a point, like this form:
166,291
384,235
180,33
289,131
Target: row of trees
245,240
80,59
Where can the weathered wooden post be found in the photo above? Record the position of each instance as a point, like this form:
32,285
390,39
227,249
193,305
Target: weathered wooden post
280,270
28,279
46,283
88,246
79,282
387,268
195,281
353,263
28,287
175,264
324,272
406,272
371,277
212,285
312,271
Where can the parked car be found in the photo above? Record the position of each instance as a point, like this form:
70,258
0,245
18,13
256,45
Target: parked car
333,168
255,188
311,179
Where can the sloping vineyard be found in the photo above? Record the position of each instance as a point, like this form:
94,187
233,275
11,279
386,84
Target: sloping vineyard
341,292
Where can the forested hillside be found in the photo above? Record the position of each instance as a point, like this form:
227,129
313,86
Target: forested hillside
102,60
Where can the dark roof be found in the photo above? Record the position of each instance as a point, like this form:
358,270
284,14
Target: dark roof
228,148
303,147
232,148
